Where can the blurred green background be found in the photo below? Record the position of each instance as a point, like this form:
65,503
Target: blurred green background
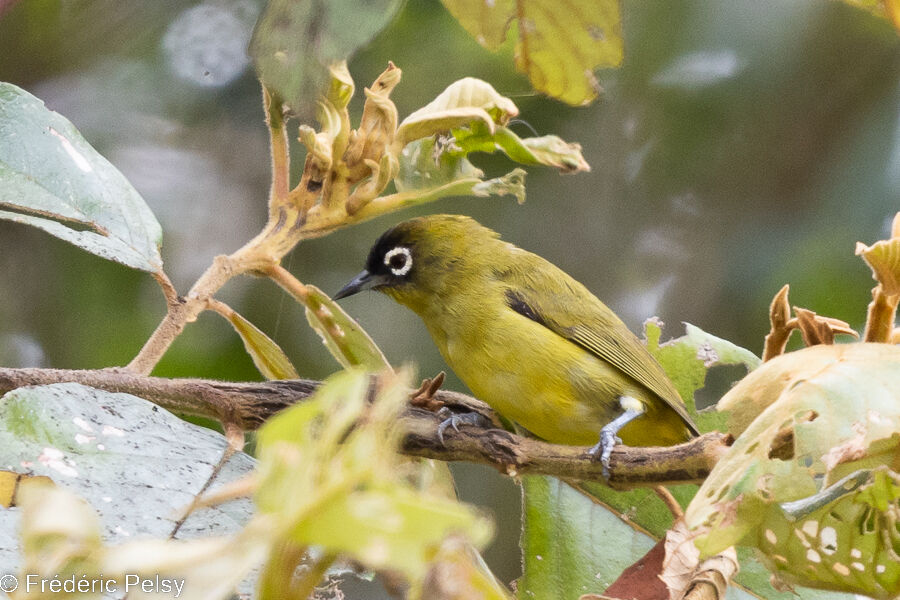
741,146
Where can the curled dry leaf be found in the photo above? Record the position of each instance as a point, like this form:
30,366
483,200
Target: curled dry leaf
377,127
464,101
884,259
681,560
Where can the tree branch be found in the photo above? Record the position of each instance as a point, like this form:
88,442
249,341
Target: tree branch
248,405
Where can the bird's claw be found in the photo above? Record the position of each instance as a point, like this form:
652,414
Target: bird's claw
604,448
454,420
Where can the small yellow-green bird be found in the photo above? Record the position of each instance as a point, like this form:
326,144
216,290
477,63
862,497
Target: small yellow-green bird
526,338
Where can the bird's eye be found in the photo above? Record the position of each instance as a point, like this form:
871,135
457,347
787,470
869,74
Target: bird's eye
398,260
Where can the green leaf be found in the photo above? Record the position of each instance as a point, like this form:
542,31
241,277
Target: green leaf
687,359
51,178
344,338
136,464
571,545
268,356
802,481
331,476
294,43
558,47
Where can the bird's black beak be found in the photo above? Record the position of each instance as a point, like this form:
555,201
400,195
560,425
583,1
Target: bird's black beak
363,281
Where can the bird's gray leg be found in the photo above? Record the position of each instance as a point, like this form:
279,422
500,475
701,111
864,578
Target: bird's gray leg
608,438
454,420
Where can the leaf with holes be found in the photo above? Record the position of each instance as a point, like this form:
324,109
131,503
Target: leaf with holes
344,338
820,443
268,356
52,179
558,45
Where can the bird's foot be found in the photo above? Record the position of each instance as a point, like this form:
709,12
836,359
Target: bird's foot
603,449
454,420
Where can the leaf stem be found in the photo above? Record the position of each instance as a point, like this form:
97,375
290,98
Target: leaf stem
286,280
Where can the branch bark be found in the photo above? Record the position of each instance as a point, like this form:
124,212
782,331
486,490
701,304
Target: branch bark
248,405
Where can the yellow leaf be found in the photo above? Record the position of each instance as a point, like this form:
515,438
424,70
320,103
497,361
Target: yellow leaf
559,45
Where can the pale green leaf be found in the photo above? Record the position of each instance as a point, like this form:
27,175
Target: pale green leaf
429,163
294,43
430,169
51,178
344,338
268,356
464,102
557,46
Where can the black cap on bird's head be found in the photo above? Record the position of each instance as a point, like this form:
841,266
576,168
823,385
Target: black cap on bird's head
390,262
415,254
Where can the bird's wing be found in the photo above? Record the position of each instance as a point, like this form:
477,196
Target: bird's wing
572,312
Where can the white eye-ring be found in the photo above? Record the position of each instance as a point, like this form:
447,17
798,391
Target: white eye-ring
398,260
